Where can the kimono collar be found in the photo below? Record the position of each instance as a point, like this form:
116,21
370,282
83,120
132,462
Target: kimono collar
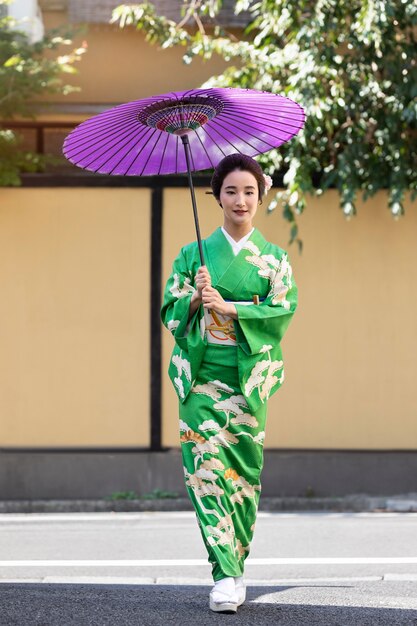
225,268
236,245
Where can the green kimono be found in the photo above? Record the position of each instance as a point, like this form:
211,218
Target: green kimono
224,371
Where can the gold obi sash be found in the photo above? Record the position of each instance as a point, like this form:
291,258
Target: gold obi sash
219,328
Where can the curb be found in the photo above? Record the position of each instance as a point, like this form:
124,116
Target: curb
405,503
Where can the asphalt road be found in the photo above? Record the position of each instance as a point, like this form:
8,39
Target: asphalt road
151,569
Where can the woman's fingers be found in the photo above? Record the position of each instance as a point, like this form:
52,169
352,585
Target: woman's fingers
208,291
203,274
202,279
212,299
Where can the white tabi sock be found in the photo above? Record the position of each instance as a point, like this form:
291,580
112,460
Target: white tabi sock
224,590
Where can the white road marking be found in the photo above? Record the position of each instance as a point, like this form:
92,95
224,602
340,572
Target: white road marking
92,517
402,577
192,562
95,516
131,580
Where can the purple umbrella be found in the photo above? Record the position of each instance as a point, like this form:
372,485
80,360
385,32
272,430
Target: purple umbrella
143,137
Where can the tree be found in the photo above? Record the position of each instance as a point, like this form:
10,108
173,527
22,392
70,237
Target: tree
27,70
352,65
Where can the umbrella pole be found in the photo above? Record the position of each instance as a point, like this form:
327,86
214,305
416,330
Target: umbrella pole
186,145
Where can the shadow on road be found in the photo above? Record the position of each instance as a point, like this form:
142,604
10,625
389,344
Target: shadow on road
47,604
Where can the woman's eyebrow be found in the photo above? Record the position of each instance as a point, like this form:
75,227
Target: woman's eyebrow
234,187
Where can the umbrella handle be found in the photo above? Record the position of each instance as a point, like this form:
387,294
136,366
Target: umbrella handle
186,145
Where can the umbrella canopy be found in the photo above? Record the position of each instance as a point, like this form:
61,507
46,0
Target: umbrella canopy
142,138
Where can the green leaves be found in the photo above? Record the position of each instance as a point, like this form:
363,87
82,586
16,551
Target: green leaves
25,69
25,72
157,29
16,59
352,66
14,161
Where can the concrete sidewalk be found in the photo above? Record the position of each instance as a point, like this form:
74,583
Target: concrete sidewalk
357,502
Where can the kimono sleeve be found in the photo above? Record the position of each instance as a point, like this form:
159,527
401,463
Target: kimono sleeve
176,303
260,325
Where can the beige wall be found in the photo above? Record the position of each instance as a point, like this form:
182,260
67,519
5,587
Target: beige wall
121,66
74,321
351,350
74,313
74,317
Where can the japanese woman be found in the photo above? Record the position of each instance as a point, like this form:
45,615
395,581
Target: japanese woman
227,319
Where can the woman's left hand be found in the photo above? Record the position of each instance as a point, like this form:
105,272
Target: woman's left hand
213,300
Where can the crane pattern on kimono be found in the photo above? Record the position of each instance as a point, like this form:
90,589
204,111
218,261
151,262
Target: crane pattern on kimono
179,291
277,271
208,469
183,366
264,383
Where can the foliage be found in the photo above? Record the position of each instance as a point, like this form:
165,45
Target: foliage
122,495
160,494
13,160
26,71
352,66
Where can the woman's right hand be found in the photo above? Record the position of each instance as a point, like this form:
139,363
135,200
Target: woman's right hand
202,280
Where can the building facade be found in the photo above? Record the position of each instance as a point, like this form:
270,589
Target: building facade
86,407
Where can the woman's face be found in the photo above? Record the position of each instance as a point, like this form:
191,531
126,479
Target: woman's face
239,197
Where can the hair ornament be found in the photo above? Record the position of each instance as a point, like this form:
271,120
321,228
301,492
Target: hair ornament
268,183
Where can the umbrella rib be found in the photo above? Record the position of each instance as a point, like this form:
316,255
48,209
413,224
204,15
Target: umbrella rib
204,148
98,132
119,147
281,123
265,107
98,135
207,128
247,126
148,157
270,115
255,132
95,132
264,97
130,109
163,154
86,155
217,144
104,147
126,154
194,92
113,154
106,120
244,140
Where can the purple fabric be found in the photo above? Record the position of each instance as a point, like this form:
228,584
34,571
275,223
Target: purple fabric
120,141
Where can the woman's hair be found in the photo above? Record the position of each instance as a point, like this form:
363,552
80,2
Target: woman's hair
233,162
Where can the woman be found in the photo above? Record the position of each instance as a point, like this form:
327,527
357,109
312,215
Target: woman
228,319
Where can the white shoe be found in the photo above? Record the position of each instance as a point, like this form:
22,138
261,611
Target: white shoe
240,590
223,596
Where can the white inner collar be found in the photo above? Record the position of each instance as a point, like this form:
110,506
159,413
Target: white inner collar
236,245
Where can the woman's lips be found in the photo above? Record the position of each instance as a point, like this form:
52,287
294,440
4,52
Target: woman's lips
240,212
